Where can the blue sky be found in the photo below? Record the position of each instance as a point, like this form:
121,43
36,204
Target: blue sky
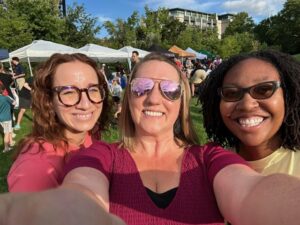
112,9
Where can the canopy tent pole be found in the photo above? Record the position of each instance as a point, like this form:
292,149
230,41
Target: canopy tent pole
129,63
30,69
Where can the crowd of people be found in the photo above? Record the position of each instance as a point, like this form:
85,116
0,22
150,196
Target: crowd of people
246,174
16,95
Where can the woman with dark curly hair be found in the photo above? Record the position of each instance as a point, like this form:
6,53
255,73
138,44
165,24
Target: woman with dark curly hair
251,103
68,96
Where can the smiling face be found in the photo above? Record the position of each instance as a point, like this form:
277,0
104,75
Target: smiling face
152,113
254,122
82,117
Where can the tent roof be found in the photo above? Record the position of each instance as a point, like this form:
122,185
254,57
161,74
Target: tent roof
104,54
209,54
180,52
198,54
129,50
40,50
98,48
4,54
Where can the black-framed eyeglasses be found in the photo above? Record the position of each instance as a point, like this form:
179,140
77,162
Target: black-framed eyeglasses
262,90
71,95
171,90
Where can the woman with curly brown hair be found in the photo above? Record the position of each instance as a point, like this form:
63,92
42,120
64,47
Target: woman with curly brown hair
251,103
68,96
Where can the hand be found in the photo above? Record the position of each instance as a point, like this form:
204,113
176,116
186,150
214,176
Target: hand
54,207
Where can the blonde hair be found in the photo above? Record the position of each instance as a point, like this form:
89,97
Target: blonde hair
183,128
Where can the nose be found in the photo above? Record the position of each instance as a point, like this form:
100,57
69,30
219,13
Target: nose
154,96
247,103
84,102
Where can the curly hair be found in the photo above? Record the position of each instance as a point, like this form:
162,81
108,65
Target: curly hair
289,72
183,128
46,126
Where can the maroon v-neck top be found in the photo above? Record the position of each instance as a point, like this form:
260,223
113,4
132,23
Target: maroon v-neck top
194,201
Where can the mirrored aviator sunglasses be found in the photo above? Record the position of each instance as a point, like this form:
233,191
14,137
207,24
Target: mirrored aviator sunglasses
171,90
262,90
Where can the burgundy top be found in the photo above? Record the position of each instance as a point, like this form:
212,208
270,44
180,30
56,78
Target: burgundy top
194,202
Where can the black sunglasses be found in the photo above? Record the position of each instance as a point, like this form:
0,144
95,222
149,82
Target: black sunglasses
71,95
259,91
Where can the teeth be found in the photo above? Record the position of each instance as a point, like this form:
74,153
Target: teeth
250,122
84,116
151,113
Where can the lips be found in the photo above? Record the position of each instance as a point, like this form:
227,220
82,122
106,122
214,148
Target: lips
250,122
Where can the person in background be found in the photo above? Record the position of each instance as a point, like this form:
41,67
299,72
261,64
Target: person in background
6,104
251,104
116,91
197,77
188,67
158,166
217,61
6,80
68,95
134,59
178,63
19,72
24,101
120,72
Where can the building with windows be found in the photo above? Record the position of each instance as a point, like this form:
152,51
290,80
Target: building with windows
202,19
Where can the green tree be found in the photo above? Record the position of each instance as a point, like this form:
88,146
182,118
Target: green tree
151,27
289,27
282,31
40,16
241,23
80,27
262,31
171,31
229,46
246,41
122,32
238,43
13,30
197,39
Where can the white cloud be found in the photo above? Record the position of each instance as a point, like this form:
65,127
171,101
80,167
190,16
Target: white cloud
255,8
102,19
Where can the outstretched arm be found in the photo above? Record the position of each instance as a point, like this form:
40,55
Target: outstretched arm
54,207
91,182
246,197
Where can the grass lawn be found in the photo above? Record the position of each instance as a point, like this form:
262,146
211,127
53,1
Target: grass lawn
297,57
112,135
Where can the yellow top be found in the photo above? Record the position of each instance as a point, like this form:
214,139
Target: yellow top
280,161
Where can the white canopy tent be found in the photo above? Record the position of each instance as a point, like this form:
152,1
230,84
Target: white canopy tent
40,50
104,54
129,50
198,54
